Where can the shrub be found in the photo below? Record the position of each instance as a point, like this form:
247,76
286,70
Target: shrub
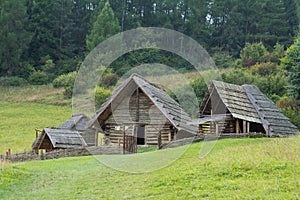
12,81
38,78
264,69
252,54
101,95
109,80
65,80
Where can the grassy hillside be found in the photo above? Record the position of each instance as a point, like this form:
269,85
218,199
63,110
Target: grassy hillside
45,94
18,122
235,169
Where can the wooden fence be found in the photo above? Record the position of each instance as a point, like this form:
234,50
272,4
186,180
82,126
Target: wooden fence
32,155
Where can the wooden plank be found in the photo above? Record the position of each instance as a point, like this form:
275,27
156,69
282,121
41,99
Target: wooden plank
237,126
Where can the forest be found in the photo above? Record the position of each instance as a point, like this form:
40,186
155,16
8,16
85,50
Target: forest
251,41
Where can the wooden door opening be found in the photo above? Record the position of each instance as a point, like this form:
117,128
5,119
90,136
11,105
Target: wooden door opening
141,135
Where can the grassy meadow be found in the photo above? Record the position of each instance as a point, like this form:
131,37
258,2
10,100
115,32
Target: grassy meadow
235,169
24,109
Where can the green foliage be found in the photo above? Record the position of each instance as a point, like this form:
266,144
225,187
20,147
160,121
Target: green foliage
290,108
223,60
291,62
65,80
101,94
200,88
12,81
264,69
14,36
38,78
105,26
252,54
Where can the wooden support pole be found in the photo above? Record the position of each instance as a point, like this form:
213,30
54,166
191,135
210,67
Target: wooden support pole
36,133
159,140
237,126
123,139
248,127
217,128
137,117
244,126
96,137
170,137
119,143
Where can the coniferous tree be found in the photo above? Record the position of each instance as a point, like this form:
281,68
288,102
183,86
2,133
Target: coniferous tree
105,26
14,36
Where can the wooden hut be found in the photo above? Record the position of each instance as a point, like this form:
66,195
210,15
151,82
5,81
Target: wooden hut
52,139
229,108
78,123
142,109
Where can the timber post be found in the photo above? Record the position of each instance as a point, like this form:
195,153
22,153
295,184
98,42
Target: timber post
123,139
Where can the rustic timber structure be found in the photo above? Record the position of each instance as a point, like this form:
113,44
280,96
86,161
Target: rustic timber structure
229,108
78,123
52,139
143,110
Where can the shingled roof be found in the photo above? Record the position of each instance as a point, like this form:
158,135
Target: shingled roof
274,122
59,138
76,122
247,102
168,106
236,100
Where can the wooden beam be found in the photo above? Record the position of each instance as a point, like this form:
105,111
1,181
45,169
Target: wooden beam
137,117
42,140
237,126
248,127
244,126
217,128
123,139
96,137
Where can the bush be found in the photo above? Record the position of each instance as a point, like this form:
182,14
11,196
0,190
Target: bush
12,81
65,80
252,54
38,78
264,69
109,80
101,95
223,60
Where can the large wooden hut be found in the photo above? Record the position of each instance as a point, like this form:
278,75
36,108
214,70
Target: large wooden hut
229,108
142,109
78,123
52,139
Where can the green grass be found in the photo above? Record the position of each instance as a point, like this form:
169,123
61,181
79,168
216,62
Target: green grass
18,122
235,169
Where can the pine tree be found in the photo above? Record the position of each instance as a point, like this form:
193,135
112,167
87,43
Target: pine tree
291,62
105,26
14,36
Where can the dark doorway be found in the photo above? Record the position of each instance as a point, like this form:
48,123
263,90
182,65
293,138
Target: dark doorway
140,135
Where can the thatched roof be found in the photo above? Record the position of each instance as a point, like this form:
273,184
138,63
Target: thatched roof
59,138
77,122
169,108
248,103
271,117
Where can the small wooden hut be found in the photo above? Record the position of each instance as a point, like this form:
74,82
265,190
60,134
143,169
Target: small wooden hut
78,123
142,109
229,108
52,139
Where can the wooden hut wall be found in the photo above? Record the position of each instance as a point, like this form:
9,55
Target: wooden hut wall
152,132
46,143
137,109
